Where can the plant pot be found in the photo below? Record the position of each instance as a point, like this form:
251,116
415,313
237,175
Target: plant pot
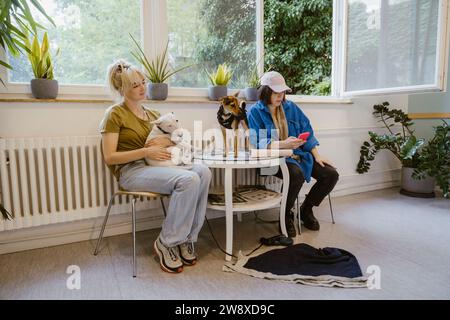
44,88
217,92
251,94
423,188
157,91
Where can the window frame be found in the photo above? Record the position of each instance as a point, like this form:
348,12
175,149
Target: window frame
442,48
154,36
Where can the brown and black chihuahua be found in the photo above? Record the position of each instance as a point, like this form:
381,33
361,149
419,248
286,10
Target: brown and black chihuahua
230,114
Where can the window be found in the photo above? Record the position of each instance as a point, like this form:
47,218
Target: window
298,43
90,35
394,45
206,33
322,47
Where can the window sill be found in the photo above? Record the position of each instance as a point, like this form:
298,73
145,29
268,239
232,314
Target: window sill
175,99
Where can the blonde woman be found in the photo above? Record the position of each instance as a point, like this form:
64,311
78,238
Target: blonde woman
124,130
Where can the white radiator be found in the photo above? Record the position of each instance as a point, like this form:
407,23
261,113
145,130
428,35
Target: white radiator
61,179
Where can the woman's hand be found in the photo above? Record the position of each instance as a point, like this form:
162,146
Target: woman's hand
292,143
322,161
161,141
157,153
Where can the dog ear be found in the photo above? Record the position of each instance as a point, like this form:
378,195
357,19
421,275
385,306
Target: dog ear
237,94
242,105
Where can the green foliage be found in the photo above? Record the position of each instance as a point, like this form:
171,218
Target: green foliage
91,35
16,14
158,70
229,36
435,159
221,77
40,57
298,43
404,145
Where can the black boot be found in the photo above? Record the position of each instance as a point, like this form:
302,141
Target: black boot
307,216
290,225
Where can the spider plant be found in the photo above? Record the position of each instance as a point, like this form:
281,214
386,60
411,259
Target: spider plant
157,70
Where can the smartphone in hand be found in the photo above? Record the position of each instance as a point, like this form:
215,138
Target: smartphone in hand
304,136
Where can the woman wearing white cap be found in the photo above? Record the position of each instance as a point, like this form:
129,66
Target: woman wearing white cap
281,122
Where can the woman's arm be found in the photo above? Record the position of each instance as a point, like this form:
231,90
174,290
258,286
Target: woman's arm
318,158
113,157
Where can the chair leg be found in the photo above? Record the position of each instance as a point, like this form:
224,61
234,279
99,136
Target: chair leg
164,207
331,209
104,225
133,216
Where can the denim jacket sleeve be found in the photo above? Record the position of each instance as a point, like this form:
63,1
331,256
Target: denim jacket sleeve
256,125
306,127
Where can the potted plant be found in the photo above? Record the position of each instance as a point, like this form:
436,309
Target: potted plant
251,92
435,159
43,86
403,144
219,81
157,72
19,13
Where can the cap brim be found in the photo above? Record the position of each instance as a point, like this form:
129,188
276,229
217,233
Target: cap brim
280,88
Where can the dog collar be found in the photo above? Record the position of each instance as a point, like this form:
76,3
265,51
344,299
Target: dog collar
163,130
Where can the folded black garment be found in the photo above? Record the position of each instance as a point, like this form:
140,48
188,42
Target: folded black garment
303,259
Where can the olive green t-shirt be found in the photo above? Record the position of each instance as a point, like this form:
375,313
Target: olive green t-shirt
132,130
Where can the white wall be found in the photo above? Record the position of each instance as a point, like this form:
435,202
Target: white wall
340,128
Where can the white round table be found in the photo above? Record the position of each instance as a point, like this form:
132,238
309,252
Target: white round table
244,162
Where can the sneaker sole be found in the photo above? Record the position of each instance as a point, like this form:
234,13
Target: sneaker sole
189,263
161,262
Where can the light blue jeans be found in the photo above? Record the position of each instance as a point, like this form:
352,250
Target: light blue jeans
188,200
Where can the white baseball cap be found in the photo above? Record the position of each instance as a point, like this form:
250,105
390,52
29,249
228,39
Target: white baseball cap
275,81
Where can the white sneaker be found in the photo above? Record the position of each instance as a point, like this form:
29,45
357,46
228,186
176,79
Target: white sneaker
187,253
169,258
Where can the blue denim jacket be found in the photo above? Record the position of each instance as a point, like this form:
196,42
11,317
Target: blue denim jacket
259,117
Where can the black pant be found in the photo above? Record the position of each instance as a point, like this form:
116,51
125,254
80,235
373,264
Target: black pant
326,177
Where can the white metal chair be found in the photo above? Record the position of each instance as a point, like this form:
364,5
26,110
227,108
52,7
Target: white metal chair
135,195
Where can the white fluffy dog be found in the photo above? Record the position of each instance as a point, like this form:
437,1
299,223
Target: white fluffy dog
167,125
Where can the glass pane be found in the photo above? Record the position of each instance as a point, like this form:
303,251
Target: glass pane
391,43
207,33
91,34
298,43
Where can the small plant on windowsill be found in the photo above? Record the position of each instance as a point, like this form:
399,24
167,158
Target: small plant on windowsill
403,144
157,71
43,86
251,92
219,82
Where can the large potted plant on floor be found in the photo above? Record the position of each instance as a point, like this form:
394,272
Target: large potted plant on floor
43,86
435,159
403,144
219,82
157,72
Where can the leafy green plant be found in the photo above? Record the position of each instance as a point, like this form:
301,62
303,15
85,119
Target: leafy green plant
40,57
15,13
158,70
403,144
435,159
221,77
254,79
5,214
